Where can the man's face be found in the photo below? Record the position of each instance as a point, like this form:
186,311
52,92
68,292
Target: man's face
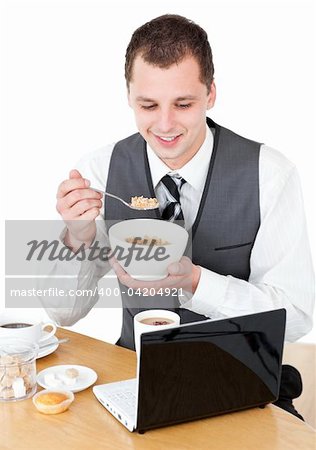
170,108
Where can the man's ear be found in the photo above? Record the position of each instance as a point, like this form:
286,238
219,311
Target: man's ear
211,96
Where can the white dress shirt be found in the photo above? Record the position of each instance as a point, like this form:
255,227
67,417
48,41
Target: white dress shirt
194,173
281,273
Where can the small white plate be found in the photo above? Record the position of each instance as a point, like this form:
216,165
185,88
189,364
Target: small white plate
48,350
85,379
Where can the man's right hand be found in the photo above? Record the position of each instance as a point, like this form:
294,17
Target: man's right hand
79,206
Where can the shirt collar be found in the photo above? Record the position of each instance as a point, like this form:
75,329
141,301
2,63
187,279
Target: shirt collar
194,171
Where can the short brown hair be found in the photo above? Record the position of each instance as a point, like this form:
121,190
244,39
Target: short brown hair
167,40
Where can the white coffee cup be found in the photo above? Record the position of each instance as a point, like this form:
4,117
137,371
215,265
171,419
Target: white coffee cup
140,327
21,327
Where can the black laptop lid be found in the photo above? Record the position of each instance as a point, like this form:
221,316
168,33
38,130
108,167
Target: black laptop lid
209,368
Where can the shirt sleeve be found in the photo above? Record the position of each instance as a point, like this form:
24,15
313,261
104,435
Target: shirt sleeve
281,266
79,279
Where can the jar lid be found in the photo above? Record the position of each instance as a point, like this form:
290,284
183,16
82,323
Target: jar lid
16,351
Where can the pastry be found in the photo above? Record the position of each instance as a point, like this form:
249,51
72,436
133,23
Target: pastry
53,401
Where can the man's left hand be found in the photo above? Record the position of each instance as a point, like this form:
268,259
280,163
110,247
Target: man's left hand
183,274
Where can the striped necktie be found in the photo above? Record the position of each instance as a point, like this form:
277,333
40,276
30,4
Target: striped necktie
172,185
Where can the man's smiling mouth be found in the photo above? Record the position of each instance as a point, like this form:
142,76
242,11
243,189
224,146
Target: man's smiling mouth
167,139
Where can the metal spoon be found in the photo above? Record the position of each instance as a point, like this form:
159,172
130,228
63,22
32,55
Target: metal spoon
49,344
58,341
124,202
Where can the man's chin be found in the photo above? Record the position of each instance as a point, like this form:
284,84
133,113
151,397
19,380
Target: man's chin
167,155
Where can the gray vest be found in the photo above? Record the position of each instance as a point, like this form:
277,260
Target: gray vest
227,221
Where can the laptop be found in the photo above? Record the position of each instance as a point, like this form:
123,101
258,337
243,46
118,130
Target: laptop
200,369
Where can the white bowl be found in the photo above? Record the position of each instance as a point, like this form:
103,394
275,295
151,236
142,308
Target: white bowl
145,262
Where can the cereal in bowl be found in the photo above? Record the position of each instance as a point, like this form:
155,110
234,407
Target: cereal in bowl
147,240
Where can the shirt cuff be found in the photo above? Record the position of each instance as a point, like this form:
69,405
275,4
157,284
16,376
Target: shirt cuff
101,238
209,294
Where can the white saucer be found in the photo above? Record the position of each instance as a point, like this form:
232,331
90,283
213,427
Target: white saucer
85,379
47,350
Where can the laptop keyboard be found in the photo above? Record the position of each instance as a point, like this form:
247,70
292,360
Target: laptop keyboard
125,401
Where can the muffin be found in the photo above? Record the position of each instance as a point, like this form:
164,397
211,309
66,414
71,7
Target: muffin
51,401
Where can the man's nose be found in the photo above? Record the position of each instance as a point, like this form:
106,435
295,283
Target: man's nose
166,120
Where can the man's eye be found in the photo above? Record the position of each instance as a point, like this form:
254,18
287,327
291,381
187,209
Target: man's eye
184,105
147,107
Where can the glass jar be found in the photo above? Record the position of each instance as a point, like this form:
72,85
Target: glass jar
17,369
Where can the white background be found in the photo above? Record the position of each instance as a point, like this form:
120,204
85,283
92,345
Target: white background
63,92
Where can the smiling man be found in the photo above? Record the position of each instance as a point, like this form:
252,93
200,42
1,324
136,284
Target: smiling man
240,199
170,107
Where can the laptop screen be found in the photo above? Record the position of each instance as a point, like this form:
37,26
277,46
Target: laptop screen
210,367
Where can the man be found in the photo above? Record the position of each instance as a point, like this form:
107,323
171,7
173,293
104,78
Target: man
240,199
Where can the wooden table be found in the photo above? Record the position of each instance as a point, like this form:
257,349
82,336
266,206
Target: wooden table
87,425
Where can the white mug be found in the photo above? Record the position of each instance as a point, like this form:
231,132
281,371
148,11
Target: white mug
140,327
15,326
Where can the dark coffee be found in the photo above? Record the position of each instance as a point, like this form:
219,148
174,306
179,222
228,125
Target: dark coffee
16,325
156,321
